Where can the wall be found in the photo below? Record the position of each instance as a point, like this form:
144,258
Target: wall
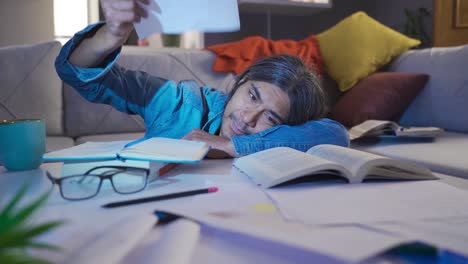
390,13
31,21
26,21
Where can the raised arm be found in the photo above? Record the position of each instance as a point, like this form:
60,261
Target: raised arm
119,16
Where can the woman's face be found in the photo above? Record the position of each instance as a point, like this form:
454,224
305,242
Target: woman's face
254,107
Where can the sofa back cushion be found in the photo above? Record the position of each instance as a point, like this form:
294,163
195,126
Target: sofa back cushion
30,87
381,96
85,118
443,102
358,46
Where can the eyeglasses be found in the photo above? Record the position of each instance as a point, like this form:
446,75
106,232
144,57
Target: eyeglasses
124,180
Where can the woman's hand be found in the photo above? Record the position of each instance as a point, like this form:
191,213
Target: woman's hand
221,147
120,15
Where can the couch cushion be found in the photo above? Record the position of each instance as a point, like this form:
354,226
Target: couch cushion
55,143
358,46
380,96
445,154
84,118
177,64
109,137
443,102
30,85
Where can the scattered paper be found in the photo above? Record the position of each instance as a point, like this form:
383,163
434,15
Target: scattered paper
100,237
172,243
338,203
235,209
175,17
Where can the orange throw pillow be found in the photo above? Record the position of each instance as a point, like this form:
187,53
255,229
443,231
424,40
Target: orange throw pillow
237,56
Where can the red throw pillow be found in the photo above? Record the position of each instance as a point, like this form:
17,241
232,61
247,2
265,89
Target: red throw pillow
381,96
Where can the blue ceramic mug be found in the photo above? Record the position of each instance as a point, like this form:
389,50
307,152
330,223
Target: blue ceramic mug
22,143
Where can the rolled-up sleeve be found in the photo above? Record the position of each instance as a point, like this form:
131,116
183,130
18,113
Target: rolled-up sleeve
302,137
126,90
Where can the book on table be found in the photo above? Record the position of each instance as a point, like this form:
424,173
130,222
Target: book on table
276,166
375,128
156,149
157,154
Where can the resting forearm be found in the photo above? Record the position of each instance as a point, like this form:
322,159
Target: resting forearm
91,51
301,137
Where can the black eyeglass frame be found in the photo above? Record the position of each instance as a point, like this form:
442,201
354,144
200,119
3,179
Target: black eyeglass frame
58,181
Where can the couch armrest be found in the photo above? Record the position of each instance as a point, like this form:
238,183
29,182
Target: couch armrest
442,102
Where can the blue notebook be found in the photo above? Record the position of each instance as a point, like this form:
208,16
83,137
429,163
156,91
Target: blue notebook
154,149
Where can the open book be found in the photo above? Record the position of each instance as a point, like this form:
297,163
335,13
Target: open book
275,166
381,128
154,149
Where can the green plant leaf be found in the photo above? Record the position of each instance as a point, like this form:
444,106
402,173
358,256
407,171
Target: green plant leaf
11,205
24,236
23,214
16,235
20,258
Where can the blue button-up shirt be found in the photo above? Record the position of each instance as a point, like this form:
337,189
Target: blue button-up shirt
173,109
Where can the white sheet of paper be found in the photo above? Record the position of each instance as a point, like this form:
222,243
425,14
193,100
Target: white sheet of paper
337,203
174,17
172,243
100,237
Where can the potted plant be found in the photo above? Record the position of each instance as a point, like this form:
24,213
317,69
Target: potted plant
17,235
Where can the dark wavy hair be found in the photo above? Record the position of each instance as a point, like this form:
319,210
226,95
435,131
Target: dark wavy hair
293,76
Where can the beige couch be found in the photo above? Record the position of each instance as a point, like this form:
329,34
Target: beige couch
30,88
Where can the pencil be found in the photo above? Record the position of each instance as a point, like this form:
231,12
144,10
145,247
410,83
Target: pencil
160,197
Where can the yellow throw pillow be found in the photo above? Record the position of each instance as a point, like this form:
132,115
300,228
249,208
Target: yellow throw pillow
358,46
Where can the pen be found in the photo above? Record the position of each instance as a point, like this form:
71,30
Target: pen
131,143
160,197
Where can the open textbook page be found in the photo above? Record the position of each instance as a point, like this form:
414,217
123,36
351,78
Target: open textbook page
275,166
364,165
87,151
166,149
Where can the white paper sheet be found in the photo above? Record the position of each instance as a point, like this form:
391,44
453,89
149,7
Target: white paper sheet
99,238
323,203
169,16
172,243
